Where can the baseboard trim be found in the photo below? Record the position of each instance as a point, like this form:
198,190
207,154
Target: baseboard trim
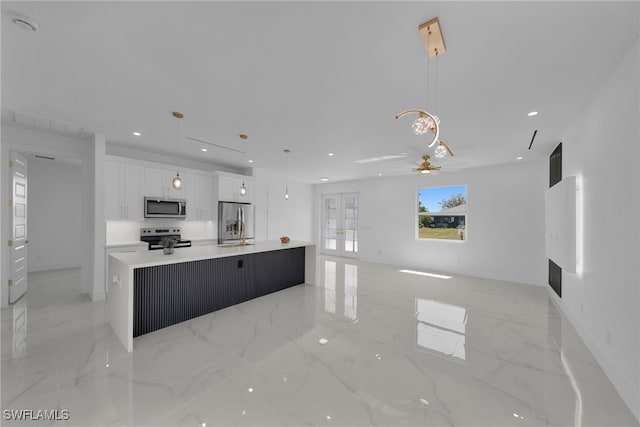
47,267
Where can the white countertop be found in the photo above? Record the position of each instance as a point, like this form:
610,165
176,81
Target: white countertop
197,253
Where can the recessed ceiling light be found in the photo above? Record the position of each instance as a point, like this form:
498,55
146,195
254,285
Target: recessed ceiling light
330,154
323,341
324,179
137,133
533,113
519,158
379,174
204,150
250,161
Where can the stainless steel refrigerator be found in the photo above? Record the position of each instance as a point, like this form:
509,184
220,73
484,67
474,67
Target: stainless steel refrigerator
232,218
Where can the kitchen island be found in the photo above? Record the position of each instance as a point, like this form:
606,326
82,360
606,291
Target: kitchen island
149,290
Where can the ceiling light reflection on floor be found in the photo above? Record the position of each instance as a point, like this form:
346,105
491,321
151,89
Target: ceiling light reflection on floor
422,273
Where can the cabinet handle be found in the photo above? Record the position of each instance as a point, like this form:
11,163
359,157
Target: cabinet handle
127,211
121,212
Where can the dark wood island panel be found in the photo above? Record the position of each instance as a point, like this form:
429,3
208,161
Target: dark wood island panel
164,295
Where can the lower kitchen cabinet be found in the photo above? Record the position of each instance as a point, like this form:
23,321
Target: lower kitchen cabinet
168,294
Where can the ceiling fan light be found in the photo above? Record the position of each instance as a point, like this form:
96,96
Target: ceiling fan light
425,171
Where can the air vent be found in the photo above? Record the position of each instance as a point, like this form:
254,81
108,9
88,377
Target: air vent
381,158
216,145
532,138
39,122
25,23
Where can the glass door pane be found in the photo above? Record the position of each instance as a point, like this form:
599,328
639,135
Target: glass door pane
340,224
350,223
330,224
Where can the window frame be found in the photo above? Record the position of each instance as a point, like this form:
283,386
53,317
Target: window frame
417,214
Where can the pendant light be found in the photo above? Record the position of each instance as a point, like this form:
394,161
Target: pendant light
243,187
286,182
177,181
431,35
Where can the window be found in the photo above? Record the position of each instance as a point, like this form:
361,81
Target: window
442,213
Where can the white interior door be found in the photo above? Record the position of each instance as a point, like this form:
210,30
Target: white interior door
18,218
340,224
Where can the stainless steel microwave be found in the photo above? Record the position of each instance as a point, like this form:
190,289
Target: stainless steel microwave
155,207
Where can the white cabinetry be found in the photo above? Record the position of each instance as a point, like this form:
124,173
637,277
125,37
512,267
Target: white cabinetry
199,195
124,191
157,183
229,189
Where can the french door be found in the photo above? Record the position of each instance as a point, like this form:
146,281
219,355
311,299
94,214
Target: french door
340,224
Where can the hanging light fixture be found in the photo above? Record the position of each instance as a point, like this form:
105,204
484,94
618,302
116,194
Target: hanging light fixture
427,122
177,181
243,187
286,183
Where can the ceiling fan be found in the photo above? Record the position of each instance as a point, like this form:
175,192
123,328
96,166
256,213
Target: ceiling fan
427,167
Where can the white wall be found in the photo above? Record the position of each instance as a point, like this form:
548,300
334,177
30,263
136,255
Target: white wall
603,300
292,217
54,145
55,240
129,231
505,222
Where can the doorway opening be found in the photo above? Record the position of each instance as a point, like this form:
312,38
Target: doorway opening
47,221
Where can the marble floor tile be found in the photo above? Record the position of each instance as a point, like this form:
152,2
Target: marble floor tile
369,345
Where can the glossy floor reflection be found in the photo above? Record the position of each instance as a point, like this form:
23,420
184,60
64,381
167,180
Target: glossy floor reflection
371,346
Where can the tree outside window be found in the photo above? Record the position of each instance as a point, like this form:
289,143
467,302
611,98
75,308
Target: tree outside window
442,213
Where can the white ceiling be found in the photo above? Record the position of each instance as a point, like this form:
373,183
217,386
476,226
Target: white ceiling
314,77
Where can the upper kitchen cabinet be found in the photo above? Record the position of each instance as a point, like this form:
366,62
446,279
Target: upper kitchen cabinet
157,183
124,191
199,191
229,189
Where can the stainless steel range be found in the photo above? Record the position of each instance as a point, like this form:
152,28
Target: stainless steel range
154,237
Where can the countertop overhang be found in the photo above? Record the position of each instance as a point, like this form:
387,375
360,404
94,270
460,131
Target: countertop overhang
197,253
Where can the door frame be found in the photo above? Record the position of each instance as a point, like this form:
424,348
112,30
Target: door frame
55,146
339,251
